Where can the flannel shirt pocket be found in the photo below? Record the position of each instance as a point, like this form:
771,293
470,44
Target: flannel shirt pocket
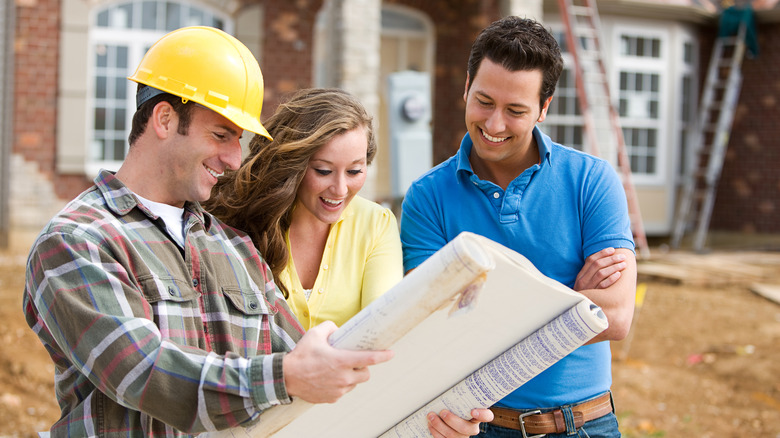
156,289
248,302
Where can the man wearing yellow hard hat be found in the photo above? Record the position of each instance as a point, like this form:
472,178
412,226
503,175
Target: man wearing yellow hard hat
160,319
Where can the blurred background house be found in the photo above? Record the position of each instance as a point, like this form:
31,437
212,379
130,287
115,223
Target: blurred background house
66,105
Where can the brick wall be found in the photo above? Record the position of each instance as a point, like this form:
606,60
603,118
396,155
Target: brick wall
288,48
748,196
35,93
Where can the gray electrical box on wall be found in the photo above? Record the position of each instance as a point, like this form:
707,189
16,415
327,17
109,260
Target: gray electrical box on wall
411,141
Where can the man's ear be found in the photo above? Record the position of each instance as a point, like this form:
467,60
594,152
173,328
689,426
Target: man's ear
163,119
466,88
543,114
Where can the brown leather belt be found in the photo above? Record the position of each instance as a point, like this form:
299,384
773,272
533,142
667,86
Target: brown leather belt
537,423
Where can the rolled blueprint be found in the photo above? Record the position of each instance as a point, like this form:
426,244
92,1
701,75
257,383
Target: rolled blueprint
511,369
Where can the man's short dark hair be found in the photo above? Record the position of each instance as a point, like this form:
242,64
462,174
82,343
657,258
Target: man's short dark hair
144,112
519,44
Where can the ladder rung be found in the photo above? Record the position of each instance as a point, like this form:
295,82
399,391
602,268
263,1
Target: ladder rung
700,174
710,128
720,84
594,76
582,11
601,101
728,40
700,195
590,55
586,32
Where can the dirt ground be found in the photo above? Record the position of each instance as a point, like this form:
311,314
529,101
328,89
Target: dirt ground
702,360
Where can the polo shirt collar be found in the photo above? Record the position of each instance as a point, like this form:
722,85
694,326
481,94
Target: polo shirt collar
544,143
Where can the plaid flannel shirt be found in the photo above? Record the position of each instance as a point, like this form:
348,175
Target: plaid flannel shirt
147,338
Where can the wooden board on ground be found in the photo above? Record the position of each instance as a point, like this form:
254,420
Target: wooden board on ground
768,291
712,269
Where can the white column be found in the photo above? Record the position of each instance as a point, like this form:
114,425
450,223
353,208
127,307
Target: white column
7,23
359,22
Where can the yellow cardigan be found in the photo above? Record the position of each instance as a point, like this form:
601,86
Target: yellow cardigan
361,261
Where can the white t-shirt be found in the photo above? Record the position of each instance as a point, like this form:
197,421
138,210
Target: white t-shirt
172,216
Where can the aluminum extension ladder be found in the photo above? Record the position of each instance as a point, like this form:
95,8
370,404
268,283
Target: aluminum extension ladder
602,124
716,114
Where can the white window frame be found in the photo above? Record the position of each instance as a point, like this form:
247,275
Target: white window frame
686,130
646,65
565,121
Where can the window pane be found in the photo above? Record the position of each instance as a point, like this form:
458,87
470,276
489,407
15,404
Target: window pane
121,16
196,18
119,119
101,60
564,109
149,15
172,16
100,87
625,45
651,138
120,88
686,99
102,19
119,150
121,57
100,118
560,36
573,137
650,164
99,149
688,53
653,109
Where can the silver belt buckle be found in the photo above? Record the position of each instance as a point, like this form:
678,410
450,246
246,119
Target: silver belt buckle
522,424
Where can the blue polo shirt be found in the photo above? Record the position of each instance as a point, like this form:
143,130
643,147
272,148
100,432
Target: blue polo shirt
556,213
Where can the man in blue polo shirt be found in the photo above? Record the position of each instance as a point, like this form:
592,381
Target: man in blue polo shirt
556,206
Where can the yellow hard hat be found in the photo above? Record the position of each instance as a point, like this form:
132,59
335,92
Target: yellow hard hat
209,67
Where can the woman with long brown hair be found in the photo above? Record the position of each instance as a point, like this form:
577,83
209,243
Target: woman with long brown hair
331,251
